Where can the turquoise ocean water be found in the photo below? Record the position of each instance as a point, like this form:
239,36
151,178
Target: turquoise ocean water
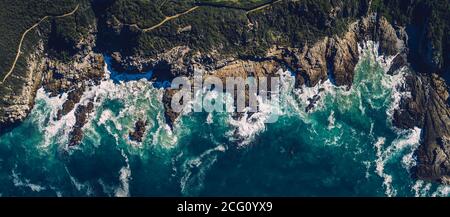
345,147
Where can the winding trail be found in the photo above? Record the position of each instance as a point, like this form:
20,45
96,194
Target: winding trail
26,32
262,7
166,19
170,18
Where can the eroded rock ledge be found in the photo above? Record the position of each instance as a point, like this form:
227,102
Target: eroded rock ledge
332,58
428,108
18,100
138,133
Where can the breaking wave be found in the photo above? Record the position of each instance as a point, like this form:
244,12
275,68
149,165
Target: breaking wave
346,132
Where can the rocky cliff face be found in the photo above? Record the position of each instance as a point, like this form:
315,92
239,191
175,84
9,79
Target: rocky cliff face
331,57
73,77
86,68
17,102
328,56
336,58
428,108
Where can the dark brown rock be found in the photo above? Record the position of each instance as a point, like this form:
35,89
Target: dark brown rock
428,109
170,115
81,115
83,70
343,57
139,131
72,99
397,63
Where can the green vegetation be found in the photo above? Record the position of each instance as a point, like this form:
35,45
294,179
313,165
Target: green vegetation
238,4
17,16
431,17
146,13
67,32
224,25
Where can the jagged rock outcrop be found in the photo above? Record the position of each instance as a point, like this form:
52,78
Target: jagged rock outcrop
169,114
336,57
343,57
85,69
312,61
428,108
174,62
139,131
237,68
331,57
62,77
72,99
82,114
17,100
312,64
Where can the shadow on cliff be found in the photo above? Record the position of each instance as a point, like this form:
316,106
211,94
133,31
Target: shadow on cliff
422,57
4,129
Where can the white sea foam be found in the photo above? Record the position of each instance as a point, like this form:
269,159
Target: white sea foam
81,187
331,121
397,82
421,188
305,93
112,87
379,168
54,129
246,128
367,164
209,119
249,126
105,116
58,192
191,183
124,177
407,141
394,82
18,182
442,191
408,160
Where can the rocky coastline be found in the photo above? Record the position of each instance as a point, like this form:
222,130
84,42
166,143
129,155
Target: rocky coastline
138,133
332,57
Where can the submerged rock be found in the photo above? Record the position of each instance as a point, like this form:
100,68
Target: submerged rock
139,131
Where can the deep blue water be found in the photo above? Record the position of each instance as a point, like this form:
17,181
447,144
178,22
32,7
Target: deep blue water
345,147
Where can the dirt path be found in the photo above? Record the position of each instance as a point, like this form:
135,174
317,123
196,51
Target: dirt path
166,19
262,7
169,19
26,32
